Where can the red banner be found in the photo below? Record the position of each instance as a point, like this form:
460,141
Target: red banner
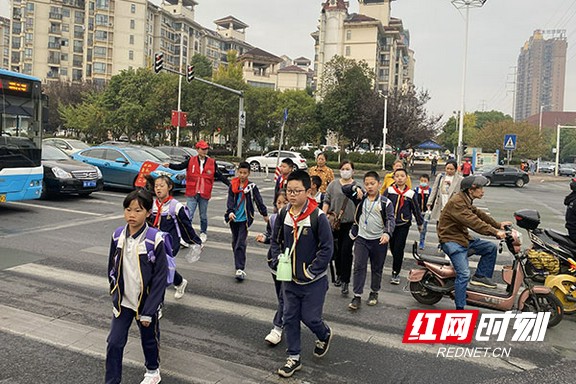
147,168
182,121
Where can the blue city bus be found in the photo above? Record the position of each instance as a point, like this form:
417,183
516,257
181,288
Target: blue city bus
21,109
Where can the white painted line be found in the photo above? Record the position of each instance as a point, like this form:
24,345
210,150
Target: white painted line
263,315
56,209
75,223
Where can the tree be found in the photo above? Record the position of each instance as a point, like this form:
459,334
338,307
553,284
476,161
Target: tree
202,66
301,126
63,93
530,143
262,119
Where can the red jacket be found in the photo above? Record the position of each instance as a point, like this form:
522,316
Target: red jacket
200,183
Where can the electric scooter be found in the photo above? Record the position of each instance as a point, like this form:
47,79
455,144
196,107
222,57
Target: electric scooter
435,277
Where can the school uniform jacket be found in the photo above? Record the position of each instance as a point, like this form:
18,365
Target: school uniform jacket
312,253
251,196
350,191
153,273
404,212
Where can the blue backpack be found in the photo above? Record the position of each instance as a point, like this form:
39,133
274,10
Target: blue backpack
149,242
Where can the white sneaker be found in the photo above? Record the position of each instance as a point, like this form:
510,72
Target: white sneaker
240,275
180,289
151,377
203,237
274,337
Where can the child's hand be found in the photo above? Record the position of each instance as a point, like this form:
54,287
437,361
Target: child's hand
384,239
145,323
359,193
420,228
260,238
266,219
231,216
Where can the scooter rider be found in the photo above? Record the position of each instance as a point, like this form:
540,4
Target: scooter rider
570,203
457,216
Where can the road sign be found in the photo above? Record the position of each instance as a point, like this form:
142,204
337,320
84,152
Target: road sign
509,142
242,119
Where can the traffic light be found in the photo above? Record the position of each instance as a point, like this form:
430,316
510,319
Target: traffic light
158,61
190,73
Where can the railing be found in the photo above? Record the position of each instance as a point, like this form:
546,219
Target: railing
54,15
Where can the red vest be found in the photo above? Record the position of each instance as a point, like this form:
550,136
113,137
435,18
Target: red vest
200,183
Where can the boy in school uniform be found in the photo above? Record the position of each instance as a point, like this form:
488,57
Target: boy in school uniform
137,278
303,230
315,191
286,167
423,192
405,206
242,195
374,219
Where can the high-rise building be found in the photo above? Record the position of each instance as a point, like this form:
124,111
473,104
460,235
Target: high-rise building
92,40
371,35
541,74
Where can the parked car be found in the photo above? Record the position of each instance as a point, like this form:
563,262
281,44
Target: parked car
506,175
179,154
62,175
330,148
567,170
546,167
269,160
67,145
120,165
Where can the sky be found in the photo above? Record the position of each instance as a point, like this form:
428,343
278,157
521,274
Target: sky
497,32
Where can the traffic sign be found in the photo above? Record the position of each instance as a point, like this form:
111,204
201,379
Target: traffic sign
242,119
509,142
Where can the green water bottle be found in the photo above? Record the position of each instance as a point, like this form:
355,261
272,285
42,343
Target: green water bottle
284,270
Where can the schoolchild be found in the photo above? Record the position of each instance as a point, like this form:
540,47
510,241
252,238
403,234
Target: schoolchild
137,273
275,335
423,192
389,177
570,203
405,206
286,167
374,221
242,195
315,189
310,249
171,216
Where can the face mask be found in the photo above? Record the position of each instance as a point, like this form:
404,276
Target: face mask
423,185
346,174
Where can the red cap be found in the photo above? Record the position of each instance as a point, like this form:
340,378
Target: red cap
202,145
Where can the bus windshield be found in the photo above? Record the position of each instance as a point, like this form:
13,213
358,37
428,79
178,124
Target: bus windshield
21,103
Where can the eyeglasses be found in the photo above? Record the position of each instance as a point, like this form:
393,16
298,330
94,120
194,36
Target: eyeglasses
294,191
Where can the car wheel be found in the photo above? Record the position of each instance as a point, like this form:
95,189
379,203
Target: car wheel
255,166
489,181
519,183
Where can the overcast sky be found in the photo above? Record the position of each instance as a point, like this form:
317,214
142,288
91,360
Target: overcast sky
497,32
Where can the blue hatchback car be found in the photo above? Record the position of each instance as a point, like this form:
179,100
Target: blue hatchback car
120,165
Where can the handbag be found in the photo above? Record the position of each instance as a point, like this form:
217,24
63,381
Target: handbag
284,269
335,218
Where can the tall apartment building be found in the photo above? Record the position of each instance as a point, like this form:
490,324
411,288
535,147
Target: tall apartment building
541,74
92,40
371,35
4,42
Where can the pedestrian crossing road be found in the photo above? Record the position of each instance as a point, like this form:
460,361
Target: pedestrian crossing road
55,310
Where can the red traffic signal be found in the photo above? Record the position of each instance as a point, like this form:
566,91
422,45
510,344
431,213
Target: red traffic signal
190,73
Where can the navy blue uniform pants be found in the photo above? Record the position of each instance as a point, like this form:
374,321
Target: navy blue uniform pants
397,245
118,337
239,235
279,315
304,303
365,250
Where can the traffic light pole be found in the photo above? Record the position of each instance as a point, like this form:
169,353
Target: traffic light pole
240,110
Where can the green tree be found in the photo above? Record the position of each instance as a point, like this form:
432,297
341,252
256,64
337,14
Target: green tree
63,93
530,143
301,126
202,66
262,119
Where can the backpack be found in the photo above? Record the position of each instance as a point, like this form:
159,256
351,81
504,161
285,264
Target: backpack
383,202
282,216
172,212
149,241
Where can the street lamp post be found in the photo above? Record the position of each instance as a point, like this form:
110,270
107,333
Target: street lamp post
180,88
467,4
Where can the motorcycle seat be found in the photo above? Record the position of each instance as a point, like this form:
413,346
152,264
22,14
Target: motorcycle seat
561,239
435,260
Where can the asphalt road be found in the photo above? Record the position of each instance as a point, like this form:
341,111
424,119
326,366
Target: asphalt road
55,311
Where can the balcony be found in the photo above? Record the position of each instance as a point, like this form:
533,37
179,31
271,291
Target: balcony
77,63
55,30
56,16
54,60
54,45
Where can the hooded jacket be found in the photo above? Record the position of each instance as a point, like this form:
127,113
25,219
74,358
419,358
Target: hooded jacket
251,196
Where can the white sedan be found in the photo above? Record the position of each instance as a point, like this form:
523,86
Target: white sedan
269,160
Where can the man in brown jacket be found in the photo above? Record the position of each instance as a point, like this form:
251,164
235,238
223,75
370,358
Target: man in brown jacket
458,215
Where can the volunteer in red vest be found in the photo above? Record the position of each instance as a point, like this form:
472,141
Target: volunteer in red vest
201,171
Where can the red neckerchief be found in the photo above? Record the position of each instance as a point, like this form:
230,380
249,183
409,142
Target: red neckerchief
401,195
159,205
308,209
238,188
282,182
422,189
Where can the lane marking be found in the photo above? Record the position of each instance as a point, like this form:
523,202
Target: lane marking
56,209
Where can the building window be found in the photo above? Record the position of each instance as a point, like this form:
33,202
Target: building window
99,52
65,12
79,17
99,68
348,34
78,31
102,4
130,55
64,71
101,35
132,8
76,74
78,44
347,50
101,20
132,39
64,57
132,24
27,68
65,27
29,37
30,7
28,53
